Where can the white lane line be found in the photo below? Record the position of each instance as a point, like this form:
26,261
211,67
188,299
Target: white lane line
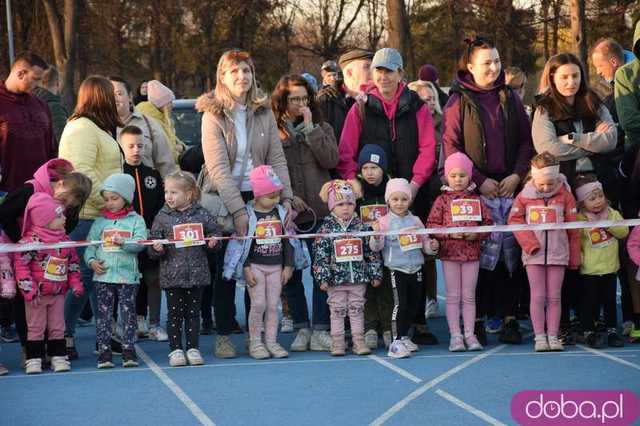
422,389
470,409
609,356
177,390
404,373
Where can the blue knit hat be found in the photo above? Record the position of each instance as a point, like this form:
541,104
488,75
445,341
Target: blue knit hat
373,154
120,183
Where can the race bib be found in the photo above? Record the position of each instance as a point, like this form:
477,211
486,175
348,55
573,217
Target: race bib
56,269
348,250
600,238
409,241
268,232
464,210
537,215
188,234
372,212
109,234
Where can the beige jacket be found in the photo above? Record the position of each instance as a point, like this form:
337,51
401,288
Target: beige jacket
220,149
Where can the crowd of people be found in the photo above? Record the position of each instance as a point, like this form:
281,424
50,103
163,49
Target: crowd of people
363,150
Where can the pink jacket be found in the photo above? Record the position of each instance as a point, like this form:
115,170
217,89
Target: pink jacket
7,280
424,165
47,272
561,247
633,245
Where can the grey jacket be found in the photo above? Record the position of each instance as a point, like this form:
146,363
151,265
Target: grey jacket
220,148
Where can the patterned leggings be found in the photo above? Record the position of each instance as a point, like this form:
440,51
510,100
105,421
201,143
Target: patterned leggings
127,302
184,308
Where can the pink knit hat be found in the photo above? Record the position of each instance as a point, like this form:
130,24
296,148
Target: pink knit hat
41,210
458,160
264,181
159,94
340,192
397,185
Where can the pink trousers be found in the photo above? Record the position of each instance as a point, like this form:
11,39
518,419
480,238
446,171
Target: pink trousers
545,282
265,296
45,312
347,299
460,281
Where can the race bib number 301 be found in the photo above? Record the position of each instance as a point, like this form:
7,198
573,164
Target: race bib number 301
464,210
348,250
188,234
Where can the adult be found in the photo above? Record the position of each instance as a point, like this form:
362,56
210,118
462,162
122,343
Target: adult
159,107
329,72
25,123
486,120
239,132
88,142
141,93
335,102
311,151
49,91
607,56
429,72
156,152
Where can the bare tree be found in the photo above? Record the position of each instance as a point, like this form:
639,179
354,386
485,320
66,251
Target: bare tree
399,35
375,23
578,30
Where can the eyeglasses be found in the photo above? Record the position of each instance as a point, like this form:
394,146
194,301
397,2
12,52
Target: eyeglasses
299,100
237,55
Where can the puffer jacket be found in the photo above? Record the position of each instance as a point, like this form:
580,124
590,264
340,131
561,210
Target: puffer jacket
553,247
500,245
7,279
325,268
185,267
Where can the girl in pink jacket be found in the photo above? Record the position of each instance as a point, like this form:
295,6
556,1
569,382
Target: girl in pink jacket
546,199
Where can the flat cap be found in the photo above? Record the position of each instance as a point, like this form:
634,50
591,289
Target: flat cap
354,55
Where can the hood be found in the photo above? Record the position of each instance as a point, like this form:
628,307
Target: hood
11,97
48,173
636,41
208,103
389,106
47,95
464,80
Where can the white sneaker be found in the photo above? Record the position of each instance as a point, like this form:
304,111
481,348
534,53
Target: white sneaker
627,326
409,344
276,350
33,366
371,339
194,357
177,359
541,343
158,334
320,341
286,325
397,349
60,364
432,311
555,344
143,328
301,342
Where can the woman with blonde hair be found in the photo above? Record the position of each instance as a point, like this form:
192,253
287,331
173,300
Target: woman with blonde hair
239,132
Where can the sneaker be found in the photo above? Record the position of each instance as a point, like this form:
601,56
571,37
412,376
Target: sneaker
320,340
456,344
224,348
594,340
541,343
480,332
257,350
286,325
422,336
8,334
359,345
511,333
276,350
301,342
60,364
627,326
371,339
338,345
472,343
494,325
129,358
386,338
398,350
194,357
555,344
3,370
614,340
409,344
105,360
158,334
432,310
177,359
72,353
206,329
143,328
34,366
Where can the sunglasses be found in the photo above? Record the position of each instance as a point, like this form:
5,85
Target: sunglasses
237,55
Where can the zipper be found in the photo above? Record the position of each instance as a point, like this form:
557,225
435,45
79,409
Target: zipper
546,238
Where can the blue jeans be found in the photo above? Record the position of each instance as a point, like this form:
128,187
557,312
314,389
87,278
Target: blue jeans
73,305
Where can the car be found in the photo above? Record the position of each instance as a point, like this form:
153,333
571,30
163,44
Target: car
187,121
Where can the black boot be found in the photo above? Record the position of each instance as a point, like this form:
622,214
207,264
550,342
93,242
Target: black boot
511,333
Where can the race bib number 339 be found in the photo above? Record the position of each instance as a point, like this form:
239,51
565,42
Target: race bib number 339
464,210
348,250
188,234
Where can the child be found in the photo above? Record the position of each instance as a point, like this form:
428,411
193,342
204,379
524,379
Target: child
403,262
546,254
343,266
7,280
460,205
600,262
147,202
115,266
184,269
265,263
43,277
633,247
373,179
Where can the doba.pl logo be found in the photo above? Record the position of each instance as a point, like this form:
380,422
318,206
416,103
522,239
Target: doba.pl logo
570,407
